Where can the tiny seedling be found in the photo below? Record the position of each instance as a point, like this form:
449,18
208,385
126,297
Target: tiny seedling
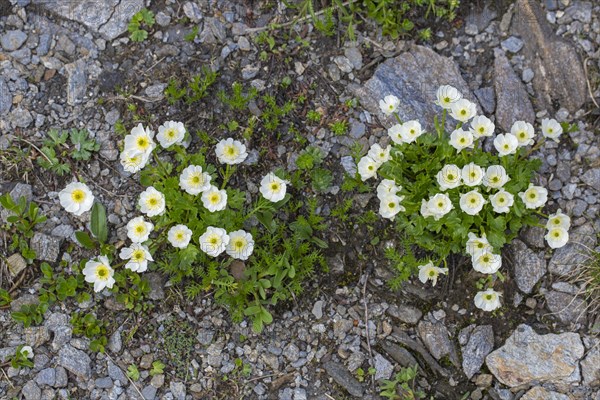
142,20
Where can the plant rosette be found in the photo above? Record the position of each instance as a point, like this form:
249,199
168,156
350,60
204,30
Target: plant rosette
447,195
199,229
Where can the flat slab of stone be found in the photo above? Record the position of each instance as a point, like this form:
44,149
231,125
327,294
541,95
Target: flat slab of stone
528,266
539,393
75,361
344,378
476,343
527,357
548,55
46,247
414,77
108,18
512,100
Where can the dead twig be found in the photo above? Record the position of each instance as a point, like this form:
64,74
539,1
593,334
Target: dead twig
366,315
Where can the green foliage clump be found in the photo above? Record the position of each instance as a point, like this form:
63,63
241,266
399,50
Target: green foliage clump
308,163
142,20
62,146
21,223
402,386
193,90
89,326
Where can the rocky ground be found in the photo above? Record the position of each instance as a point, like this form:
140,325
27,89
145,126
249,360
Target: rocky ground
67,64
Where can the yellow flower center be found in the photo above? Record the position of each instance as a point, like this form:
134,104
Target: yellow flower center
473,200
138,255
214,198
239,244
432,273
486,259
440,204
550,130
78,196
489,297
556,234
495,179
140,229
481,129
153,201
213,240
446,99
195,179
392,205
102,272
142,142
463,112
179,235
450,176
275,187
170,133
532,195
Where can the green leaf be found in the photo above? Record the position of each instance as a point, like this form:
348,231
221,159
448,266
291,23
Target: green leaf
84,239
139,35
98,223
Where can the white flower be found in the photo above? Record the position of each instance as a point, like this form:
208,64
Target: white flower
390,206
472,174
495,177
179,236
367,168
472,202
214,199
551,129
502,201
151,202
447,95
99,273
425,211
482,126
133,161
429,272
449,177
214,241
463,110
140,140
506,144
76,198
241,245
387,187
395,133
138,256
486,262
139,230
170,133
558,220
524,133
389,104
193,180
231,151
460,139
27,351
410,131
557,237
379,154
488,300
439,205
534,196
476,245
273,187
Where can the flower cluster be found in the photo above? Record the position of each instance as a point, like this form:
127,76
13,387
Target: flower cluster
193,180
470,193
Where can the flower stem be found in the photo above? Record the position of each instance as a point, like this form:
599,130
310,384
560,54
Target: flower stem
534,148
398,118
160,164
228,172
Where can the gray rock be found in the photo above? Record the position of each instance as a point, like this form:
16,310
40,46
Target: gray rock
566,258
162,19
115,344
108,18
104,383
399,354
31,391
24,300
529,266
192,11
116,373
75,361
436,338
63,231
357,129
592,178
149,392
61,378
76,81
539,393
383,368
317,309
526,357
414,77
487,99
528,75
533,236
43,46
512,100
512,44
156,91
405,313
46,247
349,165
15,263
5,98
480,17
21,118
249,71
580,11
291,352
548,54
300,394
13,40
590,365
343,64
471,29
354,55
566,307
178,390
244,43
46,377
342,377
476,343
157,286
